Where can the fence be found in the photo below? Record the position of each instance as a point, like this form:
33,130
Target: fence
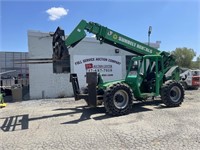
7,83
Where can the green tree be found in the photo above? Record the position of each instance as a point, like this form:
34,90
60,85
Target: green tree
184,56
198,59
196,64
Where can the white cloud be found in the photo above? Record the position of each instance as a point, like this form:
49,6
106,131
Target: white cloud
56,13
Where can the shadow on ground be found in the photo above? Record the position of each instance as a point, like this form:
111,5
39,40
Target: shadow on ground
22,121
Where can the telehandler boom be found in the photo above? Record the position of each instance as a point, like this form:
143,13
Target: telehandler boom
155,72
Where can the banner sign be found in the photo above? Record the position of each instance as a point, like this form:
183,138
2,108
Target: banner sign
110,67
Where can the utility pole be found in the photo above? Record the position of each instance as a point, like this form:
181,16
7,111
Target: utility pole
149,33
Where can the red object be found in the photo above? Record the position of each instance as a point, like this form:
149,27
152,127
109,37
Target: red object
196,81
88,66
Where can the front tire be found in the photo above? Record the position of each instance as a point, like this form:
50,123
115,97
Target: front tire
172,93
118,99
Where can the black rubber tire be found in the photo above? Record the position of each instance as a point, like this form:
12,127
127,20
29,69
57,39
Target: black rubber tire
116,95
172,93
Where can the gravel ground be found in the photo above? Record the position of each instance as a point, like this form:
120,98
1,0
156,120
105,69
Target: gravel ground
67,124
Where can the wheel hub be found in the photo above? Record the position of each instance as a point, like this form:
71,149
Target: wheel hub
175,94
121,99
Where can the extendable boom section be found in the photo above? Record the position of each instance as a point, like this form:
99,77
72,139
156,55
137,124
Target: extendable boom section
106,35
103,34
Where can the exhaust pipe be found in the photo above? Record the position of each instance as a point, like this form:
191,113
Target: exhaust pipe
61,57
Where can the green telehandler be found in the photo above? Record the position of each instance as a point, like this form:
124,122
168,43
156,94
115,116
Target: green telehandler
150,73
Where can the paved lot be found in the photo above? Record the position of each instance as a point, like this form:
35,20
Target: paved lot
66,124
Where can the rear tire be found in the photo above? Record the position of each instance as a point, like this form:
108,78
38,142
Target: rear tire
118,99
172,93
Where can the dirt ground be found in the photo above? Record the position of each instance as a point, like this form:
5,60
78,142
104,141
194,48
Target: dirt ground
67,124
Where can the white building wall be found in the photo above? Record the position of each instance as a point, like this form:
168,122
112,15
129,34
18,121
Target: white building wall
45,84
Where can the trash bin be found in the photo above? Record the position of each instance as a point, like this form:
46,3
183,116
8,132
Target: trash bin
16,92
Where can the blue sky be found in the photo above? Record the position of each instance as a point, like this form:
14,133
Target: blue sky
174,23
